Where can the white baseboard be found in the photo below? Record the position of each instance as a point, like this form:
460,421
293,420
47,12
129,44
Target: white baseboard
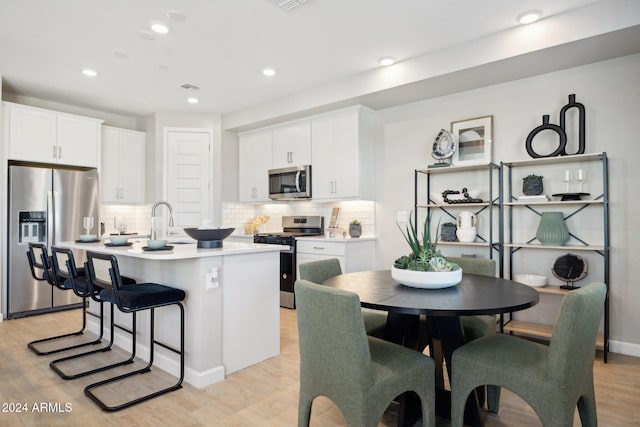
630,349
167,362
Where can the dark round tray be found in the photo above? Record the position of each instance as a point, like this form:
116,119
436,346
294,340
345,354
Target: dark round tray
570,196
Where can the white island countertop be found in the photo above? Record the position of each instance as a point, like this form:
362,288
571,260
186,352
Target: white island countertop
232,304
179,251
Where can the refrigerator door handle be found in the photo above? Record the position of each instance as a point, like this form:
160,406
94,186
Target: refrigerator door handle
49,222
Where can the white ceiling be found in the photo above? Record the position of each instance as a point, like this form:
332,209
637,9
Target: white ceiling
223,45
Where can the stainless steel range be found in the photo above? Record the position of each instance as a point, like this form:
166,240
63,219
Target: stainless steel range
292,227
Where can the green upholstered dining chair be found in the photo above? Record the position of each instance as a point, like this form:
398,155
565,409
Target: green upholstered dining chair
359,373
318,271
477,326
552,379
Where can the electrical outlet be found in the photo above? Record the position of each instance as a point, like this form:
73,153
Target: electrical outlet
212,279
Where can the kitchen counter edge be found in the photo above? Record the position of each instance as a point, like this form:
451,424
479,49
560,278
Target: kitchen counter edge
179,251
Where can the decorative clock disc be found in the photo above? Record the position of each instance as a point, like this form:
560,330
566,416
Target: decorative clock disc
569,268
443,146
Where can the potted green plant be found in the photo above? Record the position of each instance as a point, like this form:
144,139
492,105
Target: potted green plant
425,266
532,185
355,228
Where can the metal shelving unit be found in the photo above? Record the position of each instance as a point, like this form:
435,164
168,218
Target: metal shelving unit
511,205
488,208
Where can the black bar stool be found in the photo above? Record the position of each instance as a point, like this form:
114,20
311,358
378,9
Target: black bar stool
64,266
103,271
41,266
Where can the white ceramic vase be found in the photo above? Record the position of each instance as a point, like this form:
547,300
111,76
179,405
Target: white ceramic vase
466,227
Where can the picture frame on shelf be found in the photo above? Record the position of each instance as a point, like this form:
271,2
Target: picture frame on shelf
474,141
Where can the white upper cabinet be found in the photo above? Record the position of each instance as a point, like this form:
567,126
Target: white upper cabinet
342,155
40,135
254,162
122,168
292,144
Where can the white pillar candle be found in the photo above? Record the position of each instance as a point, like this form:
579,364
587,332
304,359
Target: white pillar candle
580,175
567,175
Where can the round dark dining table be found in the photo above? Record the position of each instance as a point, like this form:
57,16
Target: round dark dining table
474,295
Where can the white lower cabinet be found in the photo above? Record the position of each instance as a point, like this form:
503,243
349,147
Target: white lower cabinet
122,169
353,254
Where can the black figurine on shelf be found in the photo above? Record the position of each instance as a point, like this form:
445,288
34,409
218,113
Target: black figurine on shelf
561,130
466,198
581,123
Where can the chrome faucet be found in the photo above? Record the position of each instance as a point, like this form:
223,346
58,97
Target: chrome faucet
162,202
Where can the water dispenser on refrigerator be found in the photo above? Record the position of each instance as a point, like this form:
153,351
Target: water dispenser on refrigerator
32,226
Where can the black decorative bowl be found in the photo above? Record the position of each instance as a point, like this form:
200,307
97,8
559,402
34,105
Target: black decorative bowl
209,237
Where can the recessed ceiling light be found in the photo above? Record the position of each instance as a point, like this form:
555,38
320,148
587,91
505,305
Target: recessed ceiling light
193,100
529,17
89,72
269,72
163,68
159,27
387,60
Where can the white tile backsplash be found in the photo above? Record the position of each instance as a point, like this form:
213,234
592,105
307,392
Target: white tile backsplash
237,215
138,218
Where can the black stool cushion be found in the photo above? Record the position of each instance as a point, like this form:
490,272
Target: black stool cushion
82,285
144,295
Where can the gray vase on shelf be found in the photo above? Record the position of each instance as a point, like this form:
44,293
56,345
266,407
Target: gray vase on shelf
355,230
552,229
532,186
448,232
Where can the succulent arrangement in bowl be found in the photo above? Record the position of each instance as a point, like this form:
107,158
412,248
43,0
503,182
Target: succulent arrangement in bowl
424,255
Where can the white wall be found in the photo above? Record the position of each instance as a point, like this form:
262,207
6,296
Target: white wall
609,90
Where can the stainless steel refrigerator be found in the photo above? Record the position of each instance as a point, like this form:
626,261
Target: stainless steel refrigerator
47,205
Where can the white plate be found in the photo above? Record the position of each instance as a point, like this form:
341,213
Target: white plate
533,280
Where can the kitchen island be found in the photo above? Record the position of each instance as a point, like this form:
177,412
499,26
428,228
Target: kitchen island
232,317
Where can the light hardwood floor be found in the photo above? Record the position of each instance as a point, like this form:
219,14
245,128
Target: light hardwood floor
262,395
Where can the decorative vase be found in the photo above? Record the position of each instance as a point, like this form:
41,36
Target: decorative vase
546,126
448,232
355,230
466,223
532,186
581,123
552,229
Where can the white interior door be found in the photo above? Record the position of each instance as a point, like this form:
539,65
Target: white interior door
188,181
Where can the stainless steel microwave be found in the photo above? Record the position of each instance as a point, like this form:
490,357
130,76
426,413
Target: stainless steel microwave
292,183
